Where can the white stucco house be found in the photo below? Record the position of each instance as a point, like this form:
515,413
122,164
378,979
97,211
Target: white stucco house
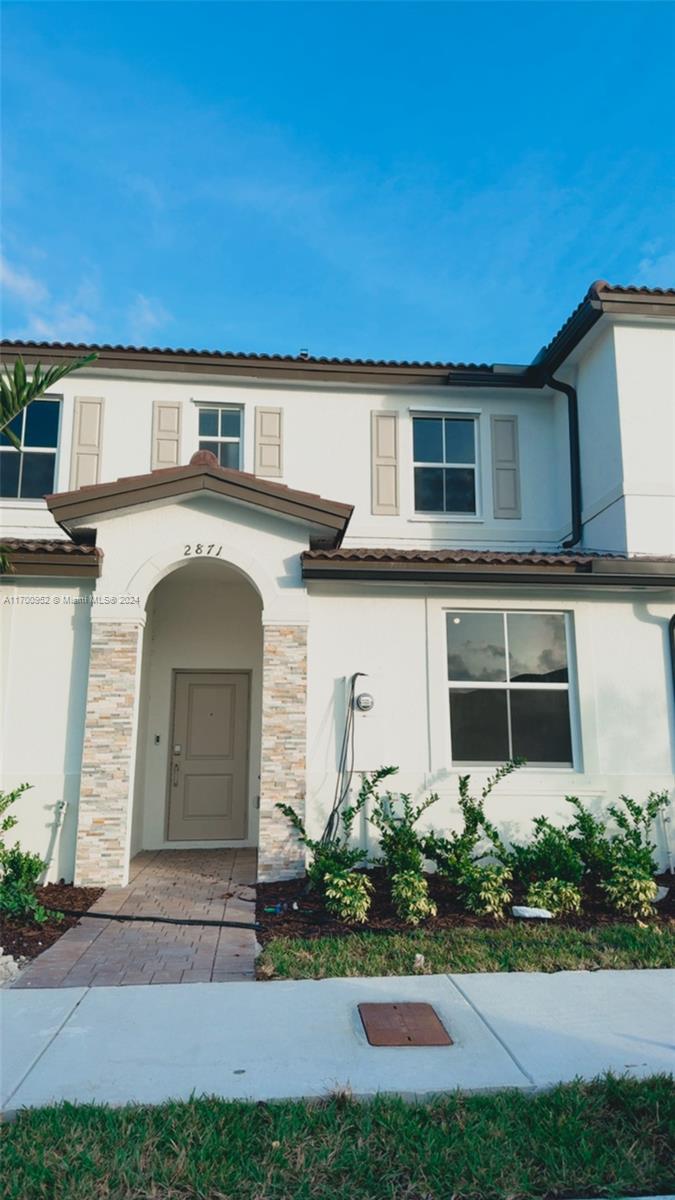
215,555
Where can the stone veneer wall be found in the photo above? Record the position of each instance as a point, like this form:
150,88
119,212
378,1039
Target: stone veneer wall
102,855
284,747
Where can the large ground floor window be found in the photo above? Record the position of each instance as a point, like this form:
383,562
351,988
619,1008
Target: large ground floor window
508,683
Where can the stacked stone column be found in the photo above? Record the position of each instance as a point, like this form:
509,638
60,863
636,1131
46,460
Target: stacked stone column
284,746
106,786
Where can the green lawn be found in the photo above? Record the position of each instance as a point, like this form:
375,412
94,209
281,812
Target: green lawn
509,948
612,1137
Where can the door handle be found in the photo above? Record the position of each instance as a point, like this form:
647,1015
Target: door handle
176,769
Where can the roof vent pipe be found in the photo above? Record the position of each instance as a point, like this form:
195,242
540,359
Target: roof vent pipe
575,458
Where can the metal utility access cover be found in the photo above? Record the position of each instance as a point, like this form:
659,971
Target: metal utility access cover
403,1025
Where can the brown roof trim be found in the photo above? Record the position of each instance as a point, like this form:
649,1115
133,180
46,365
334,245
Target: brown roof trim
59,559
488,567
180,481
274,367
601,298
448,554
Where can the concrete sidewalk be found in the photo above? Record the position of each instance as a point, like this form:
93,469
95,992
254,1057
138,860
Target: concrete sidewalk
265,1041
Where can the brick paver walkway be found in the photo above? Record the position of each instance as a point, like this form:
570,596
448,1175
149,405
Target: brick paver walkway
218,885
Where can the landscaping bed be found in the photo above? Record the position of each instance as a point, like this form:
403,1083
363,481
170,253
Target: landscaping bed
311,918
307,942
611,1137
25,938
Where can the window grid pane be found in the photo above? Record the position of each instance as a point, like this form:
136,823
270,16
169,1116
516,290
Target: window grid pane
16,426
41,426
229,423
459,441
537,650
479,725
540,725
459,489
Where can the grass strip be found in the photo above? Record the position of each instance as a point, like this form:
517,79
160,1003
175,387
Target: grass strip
507,948
611,1137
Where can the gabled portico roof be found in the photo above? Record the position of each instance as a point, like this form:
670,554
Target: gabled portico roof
203,475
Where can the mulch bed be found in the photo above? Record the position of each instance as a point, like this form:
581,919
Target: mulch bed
25,939
310,918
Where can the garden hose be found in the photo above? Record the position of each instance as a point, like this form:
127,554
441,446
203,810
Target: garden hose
73,912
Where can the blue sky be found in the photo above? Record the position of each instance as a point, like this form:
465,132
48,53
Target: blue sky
423,180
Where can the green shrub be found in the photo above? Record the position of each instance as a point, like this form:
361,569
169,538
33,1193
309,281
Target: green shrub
20,870
456,854
8,821
328,858
591,841
410,897
333,855
401,845
348,895
631,849
486,890
549,855
631,893
556,895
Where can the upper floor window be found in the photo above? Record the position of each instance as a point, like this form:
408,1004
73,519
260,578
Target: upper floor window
28,473
509,687
444,453
220,432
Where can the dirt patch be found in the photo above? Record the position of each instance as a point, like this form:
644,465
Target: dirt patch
303,913
25,939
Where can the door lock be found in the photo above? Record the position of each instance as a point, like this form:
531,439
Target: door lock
176,769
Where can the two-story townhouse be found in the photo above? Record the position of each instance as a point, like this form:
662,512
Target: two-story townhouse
239,579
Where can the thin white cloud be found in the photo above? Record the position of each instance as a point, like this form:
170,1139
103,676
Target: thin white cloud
145,316
657,269
145,188
21,285
36,312
61,324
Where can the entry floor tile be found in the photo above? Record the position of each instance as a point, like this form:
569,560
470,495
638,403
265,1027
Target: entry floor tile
180,884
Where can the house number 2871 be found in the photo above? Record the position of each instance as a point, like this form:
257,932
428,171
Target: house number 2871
200,548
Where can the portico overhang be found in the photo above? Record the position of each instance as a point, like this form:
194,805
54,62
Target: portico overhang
327,519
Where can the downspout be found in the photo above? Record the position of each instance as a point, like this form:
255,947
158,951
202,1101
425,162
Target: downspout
575,457
666,821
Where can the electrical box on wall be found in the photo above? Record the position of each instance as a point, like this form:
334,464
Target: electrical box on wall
370,716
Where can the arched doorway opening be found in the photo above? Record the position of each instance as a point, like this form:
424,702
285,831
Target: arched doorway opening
197,776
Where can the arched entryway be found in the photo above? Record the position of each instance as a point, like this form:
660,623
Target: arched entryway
201,617
197,777
147,526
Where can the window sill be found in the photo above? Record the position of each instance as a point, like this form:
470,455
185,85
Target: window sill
549,768
28,505
446,519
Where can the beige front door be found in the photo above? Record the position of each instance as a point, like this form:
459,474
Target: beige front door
208,771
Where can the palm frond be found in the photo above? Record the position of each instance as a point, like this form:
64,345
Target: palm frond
17,390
